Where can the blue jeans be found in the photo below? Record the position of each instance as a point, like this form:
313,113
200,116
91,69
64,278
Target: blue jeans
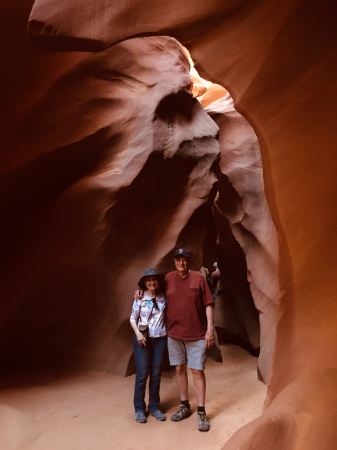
149,361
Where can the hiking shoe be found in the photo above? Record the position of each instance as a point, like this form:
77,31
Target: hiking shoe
182,413
140,417
203,422
158,415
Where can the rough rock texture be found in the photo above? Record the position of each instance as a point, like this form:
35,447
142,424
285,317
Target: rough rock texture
278,61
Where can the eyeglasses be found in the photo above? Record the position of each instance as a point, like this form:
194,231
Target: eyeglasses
155,304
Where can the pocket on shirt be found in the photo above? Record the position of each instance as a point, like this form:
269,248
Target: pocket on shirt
193,294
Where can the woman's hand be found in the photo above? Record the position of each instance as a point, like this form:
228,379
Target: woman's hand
141,339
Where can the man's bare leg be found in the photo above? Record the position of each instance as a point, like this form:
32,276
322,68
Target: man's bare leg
182,381
199,381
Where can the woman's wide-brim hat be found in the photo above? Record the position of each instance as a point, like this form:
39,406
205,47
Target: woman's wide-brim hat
149,273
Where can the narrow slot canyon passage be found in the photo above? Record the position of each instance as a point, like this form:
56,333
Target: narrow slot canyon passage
248,293
97,210
111,159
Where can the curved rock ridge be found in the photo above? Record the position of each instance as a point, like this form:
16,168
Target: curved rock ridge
246,234
247,240
95,30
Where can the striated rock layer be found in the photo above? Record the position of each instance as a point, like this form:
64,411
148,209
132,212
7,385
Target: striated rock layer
277,59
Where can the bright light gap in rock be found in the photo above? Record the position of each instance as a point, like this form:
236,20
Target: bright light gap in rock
203,90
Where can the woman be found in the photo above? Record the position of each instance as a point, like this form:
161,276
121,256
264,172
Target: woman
149,344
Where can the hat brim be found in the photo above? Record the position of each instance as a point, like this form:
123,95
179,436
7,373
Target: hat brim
181,255
141,282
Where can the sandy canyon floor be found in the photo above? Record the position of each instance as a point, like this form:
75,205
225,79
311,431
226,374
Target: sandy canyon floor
94,411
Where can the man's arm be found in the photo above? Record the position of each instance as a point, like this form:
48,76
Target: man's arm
209,336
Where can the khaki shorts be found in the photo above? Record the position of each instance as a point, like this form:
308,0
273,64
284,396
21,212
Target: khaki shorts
191,352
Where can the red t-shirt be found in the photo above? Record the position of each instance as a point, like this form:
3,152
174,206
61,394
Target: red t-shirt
187,299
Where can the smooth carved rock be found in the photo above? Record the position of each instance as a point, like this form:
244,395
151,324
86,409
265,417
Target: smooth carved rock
113,171
247,240
52,25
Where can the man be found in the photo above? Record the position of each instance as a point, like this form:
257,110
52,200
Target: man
190,331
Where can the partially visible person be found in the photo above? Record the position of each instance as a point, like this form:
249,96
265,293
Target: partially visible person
215,277
205,272
190,332
148,320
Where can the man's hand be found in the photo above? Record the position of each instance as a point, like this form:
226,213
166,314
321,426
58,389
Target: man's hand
209,338
139,294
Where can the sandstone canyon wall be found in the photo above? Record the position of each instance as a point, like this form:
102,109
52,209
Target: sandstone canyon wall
244,223
106,166
108,163
63,222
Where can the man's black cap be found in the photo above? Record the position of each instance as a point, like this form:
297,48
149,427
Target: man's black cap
181,252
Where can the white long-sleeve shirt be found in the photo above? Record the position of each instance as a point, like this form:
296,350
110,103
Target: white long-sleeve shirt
144,313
